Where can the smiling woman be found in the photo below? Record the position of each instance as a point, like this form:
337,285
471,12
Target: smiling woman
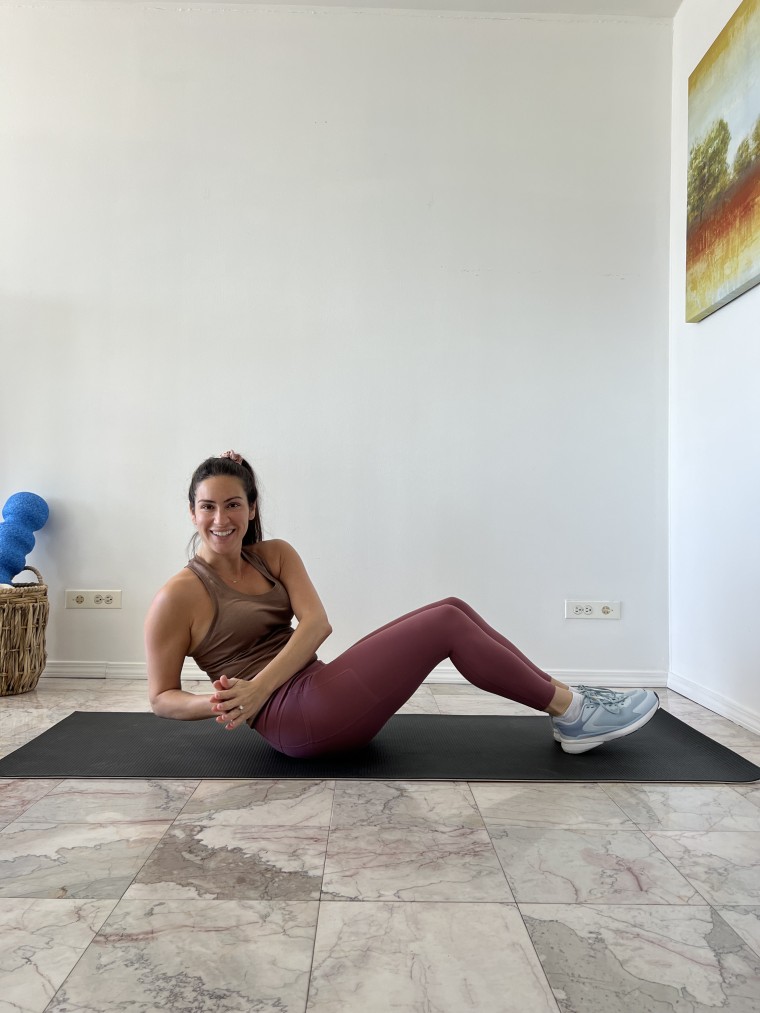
232,468
231,609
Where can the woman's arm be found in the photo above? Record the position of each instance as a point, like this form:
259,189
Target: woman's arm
312,630
167,638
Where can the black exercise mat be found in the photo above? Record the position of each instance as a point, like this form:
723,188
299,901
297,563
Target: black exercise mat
425,747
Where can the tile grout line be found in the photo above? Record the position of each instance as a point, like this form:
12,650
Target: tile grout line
320,898
515,902
85,949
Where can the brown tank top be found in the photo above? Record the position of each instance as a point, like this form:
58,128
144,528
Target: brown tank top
247,630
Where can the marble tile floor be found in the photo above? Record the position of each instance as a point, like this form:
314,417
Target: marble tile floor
374,897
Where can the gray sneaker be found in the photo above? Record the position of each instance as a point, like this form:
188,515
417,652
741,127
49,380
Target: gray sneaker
605,715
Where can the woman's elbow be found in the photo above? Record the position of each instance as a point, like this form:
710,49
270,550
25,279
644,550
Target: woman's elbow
159,705
322,628
316,622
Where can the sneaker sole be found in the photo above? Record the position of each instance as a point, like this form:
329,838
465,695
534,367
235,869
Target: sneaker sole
576,746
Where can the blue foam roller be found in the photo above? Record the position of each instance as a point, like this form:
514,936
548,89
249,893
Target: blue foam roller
15,544
24,513
28,509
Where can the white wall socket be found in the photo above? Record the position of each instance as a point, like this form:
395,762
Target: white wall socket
108,599
592,609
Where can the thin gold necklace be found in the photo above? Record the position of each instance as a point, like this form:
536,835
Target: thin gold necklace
231,579
239,578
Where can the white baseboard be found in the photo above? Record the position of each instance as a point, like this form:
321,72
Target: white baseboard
74,670
622,678
95,670
616,678
745,716
111,670
126,670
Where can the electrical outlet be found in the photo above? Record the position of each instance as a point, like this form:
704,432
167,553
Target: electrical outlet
592,609
93,599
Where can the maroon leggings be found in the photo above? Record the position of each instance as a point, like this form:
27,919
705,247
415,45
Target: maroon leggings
345,703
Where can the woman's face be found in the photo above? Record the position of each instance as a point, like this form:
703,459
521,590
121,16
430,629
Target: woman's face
221,514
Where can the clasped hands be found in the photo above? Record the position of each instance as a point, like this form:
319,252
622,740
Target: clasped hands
235,701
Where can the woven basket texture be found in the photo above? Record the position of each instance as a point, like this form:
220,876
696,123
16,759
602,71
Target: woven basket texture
24,612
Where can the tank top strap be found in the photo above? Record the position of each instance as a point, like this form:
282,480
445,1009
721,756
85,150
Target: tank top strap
213,584
258,563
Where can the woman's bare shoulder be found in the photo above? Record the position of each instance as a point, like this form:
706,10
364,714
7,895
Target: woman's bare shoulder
183,589
274,552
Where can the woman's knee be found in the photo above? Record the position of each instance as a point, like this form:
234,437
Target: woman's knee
457,603
446,612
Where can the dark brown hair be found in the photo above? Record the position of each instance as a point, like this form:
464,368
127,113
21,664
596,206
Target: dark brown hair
215,466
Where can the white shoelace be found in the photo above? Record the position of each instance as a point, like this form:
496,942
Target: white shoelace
608,698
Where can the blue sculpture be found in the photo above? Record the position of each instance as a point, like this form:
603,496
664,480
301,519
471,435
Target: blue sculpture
23,513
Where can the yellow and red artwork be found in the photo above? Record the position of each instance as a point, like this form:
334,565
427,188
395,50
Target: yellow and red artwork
723,185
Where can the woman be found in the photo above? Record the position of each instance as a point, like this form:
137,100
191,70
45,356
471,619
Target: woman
231,610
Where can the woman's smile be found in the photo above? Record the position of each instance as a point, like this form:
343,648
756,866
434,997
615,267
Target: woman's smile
222,513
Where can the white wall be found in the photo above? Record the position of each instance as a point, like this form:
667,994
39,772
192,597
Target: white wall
715,440
414,265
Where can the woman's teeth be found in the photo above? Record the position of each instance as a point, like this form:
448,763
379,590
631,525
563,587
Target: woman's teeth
222,534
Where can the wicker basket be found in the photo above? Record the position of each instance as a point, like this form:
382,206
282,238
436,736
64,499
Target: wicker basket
23,618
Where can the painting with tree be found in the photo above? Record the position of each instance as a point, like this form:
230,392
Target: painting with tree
723,185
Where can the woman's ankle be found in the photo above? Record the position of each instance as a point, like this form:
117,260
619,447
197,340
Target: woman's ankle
563,697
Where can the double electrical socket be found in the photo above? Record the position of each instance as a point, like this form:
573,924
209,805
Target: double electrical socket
592,609
93,599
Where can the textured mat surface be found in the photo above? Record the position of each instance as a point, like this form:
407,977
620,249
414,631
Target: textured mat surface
410,747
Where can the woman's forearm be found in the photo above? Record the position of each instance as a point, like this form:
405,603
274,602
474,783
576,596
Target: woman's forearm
178,703
297,653
238,701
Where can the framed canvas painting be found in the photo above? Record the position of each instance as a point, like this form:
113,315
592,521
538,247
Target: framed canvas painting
723,184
